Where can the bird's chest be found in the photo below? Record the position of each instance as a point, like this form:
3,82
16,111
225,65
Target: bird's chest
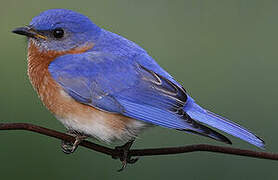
51,93
74,115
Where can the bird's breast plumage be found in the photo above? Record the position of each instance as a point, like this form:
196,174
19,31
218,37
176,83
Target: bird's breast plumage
74,115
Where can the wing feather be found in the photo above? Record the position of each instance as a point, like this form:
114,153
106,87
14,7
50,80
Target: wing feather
123,85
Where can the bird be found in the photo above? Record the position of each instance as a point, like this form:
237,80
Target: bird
100,84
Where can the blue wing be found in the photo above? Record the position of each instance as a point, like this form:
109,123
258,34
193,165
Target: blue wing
132,86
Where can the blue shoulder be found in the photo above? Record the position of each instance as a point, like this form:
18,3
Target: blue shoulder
121,84
93,77
112,43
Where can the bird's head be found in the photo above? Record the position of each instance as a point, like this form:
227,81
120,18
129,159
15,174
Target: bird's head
60,30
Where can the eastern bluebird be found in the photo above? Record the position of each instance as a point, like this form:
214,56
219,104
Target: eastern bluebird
100,84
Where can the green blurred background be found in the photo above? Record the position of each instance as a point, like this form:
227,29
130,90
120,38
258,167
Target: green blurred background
223,52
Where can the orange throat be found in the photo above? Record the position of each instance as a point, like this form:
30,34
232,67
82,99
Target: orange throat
38,62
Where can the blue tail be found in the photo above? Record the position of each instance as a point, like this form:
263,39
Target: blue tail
199,114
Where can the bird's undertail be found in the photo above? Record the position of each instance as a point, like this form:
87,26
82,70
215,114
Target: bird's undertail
206,117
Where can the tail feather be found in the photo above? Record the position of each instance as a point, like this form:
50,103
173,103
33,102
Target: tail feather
205,131
201,115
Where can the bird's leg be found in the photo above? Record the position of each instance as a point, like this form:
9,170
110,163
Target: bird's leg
69,147
125,158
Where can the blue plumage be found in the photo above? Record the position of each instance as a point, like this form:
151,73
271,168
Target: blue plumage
204,116
121,85
118,76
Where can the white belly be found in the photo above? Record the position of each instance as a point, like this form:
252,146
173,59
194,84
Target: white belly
104,126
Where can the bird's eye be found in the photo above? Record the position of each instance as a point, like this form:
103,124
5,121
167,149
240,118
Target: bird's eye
58,33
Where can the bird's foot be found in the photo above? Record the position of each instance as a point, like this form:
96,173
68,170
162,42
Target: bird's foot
69,147
125,157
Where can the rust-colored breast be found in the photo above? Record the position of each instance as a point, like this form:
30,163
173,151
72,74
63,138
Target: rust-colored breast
49,91
73,114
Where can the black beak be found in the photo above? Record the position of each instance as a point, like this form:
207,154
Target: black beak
29,32
26,31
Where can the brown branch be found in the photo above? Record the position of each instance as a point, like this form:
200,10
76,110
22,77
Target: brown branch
139,152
